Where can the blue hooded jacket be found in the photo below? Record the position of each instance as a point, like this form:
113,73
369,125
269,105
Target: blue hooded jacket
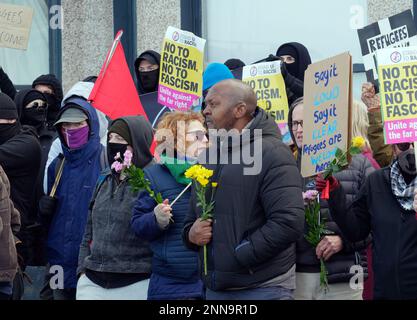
81,171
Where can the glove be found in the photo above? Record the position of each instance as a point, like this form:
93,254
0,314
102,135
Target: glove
326,186
163,214
47,206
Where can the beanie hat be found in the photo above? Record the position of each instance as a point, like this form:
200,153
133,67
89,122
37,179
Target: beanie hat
233,64
215,73
287,50
33,95
53,81
121,128
8,110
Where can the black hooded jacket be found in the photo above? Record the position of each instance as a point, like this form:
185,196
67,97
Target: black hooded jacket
257,218
20,157
301,56
338,266
141,133
157,58
46,135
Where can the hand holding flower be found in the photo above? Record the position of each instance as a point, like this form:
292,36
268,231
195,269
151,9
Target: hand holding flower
328,246
163,214
201,232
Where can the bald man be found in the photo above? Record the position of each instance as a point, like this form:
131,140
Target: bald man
257,216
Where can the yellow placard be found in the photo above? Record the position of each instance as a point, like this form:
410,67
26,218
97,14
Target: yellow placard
398,87
181,68
181,76
269,86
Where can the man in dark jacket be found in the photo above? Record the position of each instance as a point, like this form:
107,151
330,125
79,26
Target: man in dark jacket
338,252
51,87
384,208
258,216
32,108
20,157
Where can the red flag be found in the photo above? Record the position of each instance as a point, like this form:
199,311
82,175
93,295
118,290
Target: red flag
114,92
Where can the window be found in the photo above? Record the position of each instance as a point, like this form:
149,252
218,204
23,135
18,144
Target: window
23,66
251,30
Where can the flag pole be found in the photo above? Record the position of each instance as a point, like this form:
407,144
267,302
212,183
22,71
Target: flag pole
113,49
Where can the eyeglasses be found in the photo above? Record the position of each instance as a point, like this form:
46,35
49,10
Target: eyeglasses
295,125
148,69
404,146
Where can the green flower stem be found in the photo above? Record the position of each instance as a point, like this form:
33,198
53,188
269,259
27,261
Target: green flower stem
323,276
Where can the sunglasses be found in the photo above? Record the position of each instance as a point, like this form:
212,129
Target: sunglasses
404,146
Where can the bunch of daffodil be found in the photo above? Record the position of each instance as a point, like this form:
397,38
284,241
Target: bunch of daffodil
201,178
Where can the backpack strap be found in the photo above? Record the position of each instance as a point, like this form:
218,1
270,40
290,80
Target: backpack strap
59,168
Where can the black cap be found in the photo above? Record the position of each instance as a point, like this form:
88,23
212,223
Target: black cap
8,110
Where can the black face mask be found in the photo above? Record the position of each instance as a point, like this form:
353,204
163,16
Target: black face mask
8,131
149,80
34,117
113,149
407,162
293,69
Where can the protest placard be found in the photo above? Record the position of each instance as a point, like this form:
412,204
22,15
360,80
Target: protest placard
397,68
15,25
267,82
396,31
327,105
269,86
181,76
